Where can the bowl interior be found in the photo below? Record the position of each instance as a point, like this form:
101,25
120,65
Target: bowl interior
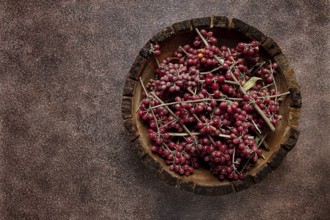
227,37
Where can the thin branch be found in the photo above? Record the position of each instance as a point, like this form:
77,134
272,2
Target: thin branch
259,65
224,135
211,71
153,50
278,95
192,92
183,50
234,99
174,120
170,111
262,141
158,65
272,74
156,121
171,151
267,86
226,81
138,108
232,82
196,117
247,162
211,139
221,61
183,134
255,125
152,111
266,119
188,101
229,51
201,36
143,87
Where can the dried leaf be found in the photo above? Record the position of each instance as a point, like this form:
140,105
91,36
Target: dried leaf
251,83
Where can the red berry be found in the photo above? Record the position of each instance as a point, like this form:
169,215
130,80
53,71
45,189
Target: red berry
215,86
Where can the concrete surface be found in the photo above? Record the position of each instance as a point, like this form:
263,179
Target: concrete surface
64,154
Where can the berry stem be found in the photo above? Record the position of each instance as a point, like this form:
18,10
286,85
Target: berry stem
211,71
152,111
224,135
138,108
153,52
188,101
233,159
262,139
172,152
267,86
143,87
194,134
221,61
272,75
156,121
229,51
259,65
232,66
158,65
201,36
183,134
231,82
192,92
183,50
196,117
211,139
270,125
247,162
278,95
174,120
255,125
233,99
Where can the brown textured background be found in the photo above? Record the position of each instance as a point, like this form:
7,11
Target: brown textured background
63,151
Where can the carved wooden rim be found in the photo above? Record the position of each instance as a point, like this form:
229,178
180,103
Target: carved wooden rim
289,137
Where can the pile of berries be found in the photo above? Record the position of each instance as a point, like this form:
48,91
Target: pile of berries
211,106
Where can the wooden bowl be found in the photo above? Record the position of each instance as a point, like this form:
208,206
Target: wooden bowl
228,32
